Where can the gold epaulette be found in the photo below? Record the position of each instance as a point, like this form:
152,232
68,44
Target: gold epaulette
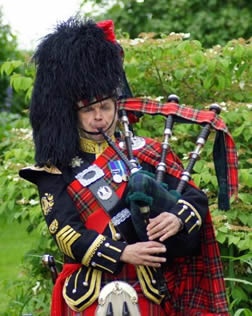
52,169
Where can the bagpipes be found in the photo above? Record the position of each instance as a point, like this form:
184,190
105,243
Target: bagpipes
141,198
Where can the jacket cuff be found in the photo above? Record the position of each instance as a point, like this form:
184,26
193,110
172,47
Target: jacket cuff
104,254
189,216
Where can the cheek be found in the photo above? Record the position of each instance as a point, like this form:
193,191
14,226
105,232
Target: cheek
82,121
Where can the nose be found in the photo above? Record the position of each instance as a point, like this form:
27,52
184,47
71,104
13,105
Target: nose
98,114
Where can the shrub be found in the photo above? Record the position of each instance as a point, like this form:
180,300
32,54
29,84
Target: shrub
156,68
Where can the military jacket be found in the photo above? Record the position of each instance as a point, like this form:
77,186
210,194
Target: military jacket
102,251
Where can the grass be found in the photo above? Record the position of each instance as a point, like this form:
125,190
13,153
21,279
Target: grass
14,243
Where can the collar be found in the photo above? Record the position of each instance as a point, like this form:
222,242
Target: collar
91,147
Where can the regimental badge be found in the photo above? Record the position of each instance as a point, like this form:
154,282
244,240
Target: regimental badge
54,226
104,192
47,203
76,162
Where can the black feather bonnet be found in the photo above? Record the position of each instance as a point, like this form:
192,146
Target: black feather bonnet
79,60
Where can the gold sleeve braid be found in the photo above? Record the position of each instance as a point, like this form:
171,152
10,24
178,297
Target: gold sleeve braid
65,238
191,216
92,249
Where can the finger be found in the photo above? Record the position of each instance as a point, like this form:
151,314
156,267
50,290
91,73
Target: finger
154,250
154,259
168,234
157,228
155,221
155,235
151,244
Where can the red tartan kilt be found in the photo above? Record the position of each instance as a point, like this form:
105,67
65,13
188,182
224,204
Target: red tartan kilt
128,274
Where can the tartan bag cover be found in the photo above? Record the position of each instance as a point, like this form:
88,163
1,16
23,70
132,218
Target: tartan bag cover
225,160
196,282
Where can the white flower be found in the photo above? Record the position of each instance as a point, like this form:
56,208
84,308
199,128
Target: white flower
241,85
136,41
249,106
36,287
174,138
227,225
160,98
205,190
186,35
33,202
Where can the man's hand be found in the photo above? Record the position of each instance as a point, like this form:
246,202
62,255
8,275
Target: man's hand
144,253
163,226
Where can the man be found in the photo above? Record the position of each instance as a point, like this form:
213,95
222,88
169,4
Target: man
85,196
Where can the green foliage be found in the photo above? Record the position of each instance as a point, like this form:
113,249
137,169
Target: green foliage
175,65
19,81
10,100
8,46
155,68
21,76
19,202
211,22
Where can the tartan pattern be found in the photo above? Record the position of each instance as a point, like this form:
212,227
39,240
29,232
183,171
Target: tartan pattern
196,283
185,112
151,154
83,198
194,116
232,166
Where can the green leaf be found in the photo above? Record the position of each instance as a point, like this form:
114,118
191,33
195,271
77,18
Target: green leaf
20,82
179,74
198,58
238,131
214,181
221,82
243,218
221,237
197,179
245,197
240,311
207,82
233,240
238,293
211,65
9,66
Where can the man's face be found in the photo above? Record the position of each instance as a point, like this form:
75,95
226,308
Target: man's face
95,116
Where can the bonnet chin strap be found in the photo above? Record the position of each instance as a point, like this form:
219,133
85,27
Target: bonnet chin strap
224,151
